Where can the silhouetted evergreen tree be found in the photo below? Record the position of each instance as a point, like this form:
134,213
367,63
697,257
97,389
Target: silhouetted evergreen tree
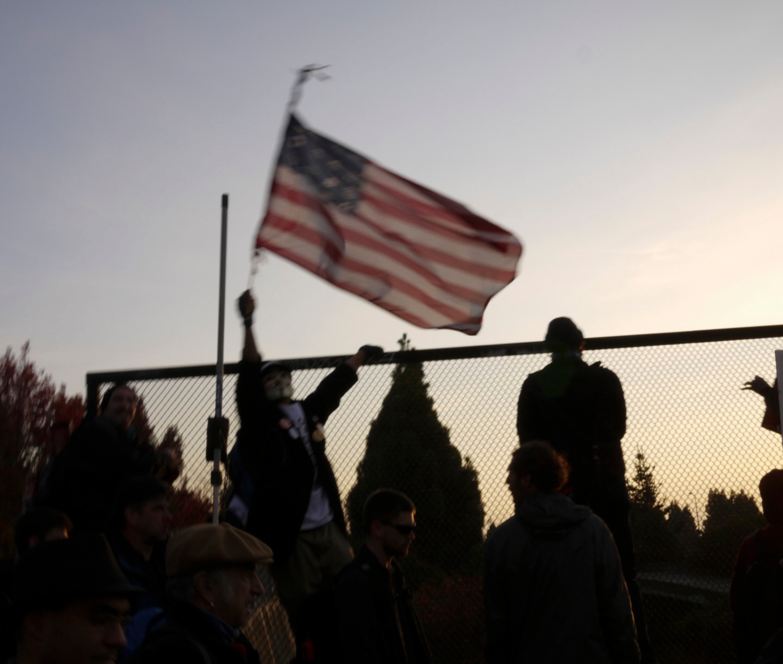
643,489
682,526
731,517
653,540
408,449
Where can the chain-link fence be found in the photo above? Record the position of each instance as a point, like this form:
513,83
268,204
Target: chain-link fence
699,436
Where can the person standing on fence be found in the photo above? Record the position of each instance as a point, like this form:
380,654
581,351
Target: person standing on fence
579,409
285,491
376,620
554,587
102,454
213,588
757,584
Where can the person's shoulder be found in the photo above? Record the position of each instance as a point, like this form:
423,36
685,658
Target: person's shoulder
535,376
363,566
599,371
533,382
594,521
508,525
510,529
364,561
354,583
86,427
597,379
766,541
93,432
598,527
171,643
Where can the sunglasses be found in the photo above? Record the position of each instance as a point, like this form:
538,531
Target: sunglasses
403,529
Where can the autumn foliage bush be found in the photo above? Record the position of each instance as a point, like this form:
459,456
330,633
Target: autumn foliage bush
451,610
35,420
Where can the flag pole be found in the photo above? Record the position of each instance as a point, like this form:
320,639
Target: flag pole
217,426
779,386
303,74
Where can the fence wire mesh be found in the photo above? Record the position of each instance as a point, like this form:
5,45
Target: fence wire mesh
699,436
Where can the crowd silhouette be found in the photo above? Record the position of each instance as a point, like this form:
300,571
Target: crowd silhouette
100,573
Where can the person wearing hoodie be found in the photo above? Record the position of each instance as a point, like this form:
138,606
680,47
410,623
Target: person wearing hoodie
579,409
554,587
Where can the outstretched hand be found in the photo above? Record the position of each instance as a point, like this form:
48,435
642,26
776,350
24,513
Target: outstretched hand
758,385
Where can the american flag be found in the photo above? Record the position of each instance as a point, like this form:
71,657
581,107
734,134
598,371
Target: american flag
411,251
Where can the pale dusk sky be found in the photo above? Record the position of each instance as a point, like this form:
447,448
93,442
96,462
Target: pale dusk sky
635,149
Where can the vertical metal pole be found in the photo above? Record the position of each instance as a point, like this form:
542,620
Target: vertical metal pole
216,453
779,372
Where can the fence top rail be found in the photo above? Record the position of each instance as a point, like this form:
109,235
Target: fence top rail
457,353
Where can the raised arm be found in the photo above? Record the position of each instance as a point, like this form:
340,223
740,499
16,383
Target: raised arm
326,397
247,306
250,390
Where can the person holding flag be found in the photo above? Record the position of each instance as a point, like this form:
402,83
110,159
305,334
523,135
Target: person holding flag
285,492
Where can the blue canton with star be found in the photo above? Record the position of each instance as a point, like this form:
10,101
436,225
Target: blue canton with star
334,170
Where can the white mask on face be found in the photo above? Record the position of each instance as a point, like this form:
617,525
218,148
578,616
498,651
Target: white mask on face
278,387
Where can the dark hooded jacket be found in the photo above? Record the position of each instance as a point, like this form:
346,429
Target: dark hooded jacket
579,409
554,589
274,464
377,623
99,458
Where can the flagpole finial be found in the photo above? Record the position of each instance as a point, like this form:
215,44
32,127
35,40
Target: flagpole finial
256,258
302,77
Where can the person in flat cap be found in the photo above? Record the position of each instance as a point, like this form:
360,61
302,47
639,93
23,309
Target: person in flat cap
285,491
70,601
212,590
579,409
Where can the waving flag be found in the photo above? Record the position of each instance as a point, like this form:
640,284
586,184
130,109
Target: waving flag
415,253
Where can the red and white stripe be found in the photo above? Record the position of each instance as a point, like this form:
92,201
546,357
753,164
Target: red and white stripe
416,254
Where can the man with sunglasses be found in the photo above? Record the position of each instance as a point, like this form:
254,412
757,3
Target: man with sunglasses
376,620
